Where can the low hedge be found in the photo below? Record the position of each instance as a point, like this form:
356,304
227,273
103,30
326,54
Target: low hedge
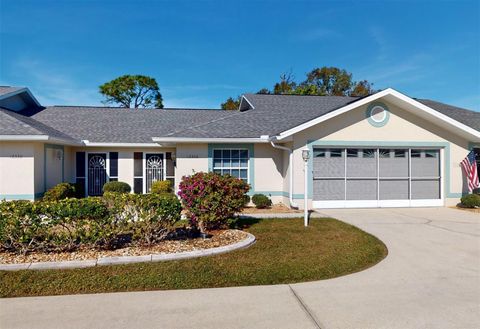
471,200
161,187
261,201
117,187
106,223
60,191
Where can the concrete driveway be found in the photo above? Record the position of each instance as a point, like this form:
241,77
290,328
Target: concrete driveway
430,279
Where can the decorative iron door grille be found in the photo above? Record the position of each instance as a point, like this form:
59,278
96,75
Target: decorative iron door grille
153,169
97,173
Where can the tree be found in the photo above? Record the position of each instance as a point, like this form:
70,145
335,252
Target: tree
330,81
264,91
132,91
286,85
231,104
362,88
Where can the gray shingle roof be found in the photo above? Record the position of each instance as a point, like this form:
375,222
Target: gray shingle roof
121,125
12,123
467,117
7,89
271,115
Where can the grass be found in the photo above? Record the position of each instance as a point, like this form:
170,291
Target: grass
285,252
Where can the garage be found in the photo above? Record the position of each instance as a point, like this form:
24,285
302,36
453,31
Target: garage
376,177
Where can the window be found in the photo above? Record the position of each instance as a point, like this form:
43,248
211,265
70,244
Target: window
352,153
138,172
400,153
113,167
232,162
319,153
416,153
336,153
384,153
431,153
368,153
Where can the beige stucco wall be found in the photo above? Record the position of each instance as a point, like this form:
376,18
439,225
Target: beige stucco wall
403,127
190,158
17,170
269,171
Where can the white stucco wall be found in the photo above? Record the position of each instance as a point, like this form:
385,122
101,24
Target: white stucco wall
403,127
17,170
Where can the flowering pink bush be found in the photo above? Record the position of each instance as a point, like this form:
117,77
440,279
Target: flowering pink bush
211,199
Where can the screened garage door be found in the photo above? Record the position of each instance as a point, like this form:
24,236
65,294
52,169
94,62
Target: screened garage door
376,177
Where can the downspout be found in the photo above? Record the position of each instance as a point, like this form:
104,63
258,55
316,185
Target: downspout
293,204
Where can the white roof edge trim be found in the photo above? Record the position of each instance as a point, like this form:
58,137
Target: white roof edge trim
368,99
24,137
19,91
208,140
246,99
87,143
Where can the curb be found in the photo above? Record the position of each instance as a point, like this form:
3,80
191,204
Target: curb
278,215
104,261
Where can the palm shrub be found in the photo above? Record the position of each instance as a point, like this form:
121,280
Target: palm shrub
116,187
59,192
471,200
211,199
261,201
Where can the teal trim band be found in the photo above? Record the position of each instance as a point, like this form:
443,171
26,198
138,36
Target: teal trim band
406,144
20,196
57,147
251,160
279,193
368,114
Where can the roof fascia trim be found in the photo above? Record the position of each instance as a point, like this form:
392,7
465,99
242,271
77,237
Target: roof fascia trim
19,91
263,139
368,99
87,143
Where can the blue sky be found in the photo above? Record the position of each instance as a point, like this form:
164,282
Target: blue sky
201,52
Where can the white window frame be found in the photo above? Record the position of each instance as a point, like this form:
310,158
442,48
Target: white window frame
232,149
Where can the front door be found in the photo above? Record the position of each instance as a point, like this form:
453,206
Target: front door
97,173
154,169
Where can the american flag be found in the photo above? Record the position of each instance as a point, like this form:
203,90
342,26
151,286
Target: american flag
470,166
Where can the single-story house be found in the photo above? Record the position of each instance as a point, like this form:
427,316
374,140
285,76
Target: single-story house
383,150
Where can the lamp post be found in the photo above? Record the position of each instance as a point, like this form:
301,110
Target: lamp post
305,156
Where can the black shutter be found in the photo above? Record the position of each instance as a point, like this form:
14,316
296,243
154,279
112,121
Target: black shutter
113,164
80,164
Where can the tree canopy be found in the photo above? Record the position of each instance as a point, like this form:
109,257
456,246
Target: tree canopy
132,91
324,81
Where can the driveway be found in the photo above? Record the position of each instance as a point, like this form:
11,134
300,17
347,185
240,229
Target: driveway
430,279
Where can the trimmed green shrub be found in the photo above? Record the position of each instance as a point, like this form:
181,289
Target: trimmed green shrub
161,187
59,192
471,200
246,200
107,222
211,199
261,201
117,187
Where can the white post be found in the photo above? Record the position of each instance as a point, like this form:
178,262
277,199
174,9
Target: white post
305,200
305,156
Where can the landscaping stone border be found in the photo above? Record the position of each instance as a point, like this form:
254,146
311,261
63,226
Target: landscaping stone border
103,261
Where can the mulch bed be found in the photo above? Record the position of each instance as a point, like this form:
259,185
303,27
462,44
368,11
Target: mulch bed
274,209
219,238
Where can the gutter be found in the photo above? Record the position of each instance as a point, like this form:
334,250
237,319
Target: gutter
209,140
293,204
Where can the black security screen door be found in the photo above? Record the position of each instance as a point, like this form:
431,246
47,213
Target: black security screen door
97,173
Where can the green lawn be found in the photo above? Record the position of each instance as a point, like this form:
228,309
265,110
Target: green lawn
285,252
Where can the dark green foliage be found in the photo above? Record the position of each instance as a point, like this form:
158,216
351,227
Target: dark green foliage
471,200
161,187
231,104
60,191
133,91
117,187
261,201
68,224
211,199
246,200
